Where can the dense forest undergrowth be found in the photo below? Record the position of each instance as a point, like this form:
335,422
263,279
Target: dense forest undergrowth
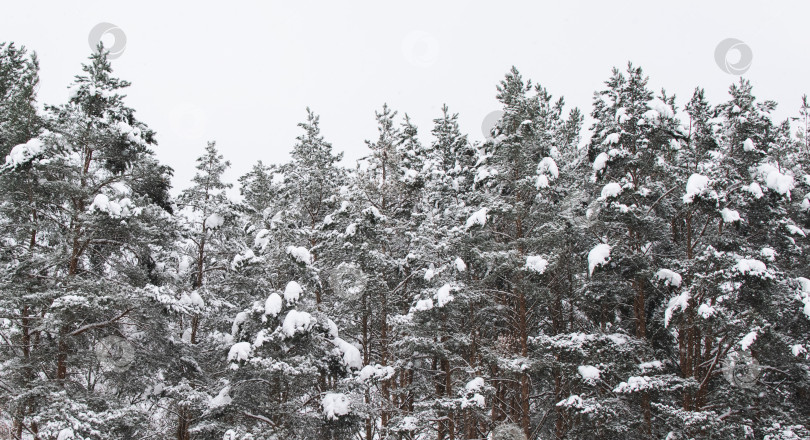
649,283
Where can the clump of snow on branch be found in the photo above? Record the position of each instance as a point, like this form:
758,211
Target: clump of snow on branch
133,134
669,277
375,372
423,305
23,153
754,189
122,208
730,215
584,406
748,340
350,354
696,185
805,205
804,294
262,239
612,138
192,299
589,373
748,145
634,384
221,399
536,264
752,267
240,318
706,311
66,434
546,171
299,254
335,405
680,301
651,365
444,295
292,292
245,257
351,229
272,306
598,256
600,162
471,395
408,424
477,218
430,273
374,212
214,221
775,180
296,322
239,352
612,189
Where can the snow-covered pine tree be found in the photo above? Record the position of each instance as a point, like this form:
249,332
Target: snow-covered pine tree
384,195
739,245
559,241
292,372
207,229
631,148
19,77
19,124
81,239
432,377
507,255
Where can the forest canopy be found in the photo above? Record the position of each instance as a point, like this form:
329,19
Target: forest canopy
645,279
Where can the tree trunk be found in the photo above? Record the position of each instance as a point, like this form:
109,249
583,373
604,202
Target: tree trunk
183,423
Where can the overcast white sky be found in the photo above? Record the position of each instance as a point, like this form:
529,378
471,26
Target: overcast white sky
243,72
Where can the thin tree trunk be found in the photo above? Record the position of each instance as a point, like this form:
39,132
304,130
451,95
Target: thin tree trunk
524,351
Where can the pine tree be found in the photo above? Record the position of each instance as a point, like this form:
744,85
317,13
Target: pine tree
19,77
204,256
514,173
81,251
632,146
293,348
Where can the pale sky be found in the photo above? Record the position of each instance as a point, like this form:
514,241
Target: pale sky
243,72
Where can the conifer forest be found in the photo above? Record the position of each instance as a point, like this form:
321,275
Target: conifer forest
648,281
